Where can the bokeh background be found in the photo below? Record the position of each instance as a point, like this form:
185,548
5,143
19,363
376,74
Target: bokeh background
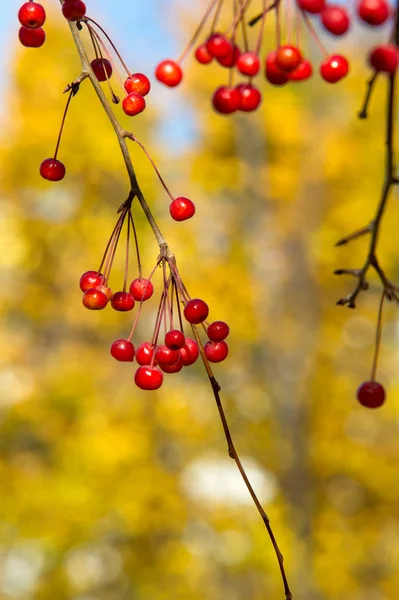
110,493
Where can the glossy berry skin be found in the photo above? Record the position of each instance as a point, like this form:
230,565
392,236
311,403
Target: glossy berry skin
384,58
288,57
122,301
74,10
138,83
148,379
169,73
122,350
334,68
216,351
32,15
371,394
175,339
31,38
273,73
90,279
51,168
226,100
196,311
145,353
142,289
182,209
190,352
106,291
133,104
303,71
202,55
175,368
311,6
94,299
218,45
166,356
373,12
218,331
102,68
335,19
250,97
231,58
248,64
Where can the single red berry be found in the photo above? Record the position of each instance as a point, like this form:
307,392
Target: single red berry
311,6
166,356
169,72
202,55
335,19
371,394
250,97
373,12
226,100
142,289
90,279
196,311
106,291
218,331
248,64
216,351
303,71
288,57
32,38
74,10
231,58
273,73
102,68
182,209
133,104
148,379
32,15
51,168
218,45
190,352
139,83
334,68
145,353
94,299
122,350
122,301
175,339
384,58
175,368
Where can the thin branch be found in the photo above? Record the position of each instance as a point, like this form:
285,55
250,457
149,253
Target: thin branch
363,112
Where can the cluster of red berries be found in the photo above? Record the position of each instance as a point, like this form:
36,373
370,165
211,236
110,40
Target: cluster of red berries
32,16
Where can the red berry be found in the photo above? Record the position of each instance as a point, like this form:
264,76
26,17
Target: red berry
122,350
142,289
145,353
288,57
175,339
32,15
122,301
133,104
273,73
169,72
311,6
94,299
202,55
250,97
74,10
226,100
190,352
196,311
373,12
166,356
182,209
106,290
216,351
139,83
148,379
102,68
335,19
334,68
218,45
303,71
248,64
371,394
175,368
218,331
231,58
31,38
91,279
384,58
51,168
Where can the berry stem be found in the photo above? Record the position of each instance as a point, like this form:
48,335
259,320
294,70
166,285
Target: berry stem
197,31
127,253
377,337
136,243
313,33
258,44
110,41
57,147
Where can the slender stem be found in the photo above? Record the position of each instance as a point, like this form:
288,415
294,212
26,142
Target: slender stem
71,94
377,337
197,31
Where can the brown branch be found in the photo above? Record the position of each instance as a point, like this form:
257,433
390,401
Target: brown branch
363,112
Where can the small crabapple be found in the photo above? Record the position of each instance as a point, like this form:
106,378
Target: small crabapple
371,394
133,104
303,71
335,19
106,290
51,168
190,352
334,68
145,353
311,6
202,55
122,350
94,299
218,45
175,339
147,378
90,279
175,368
32,38
216,351
288,57
74,10
32,15
231,58
122,301
102,68
182,209
169,73
226,100
373,12
273,73
166,356
250,97
384,58
142,289
218,331
248,64
196,311
139,83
